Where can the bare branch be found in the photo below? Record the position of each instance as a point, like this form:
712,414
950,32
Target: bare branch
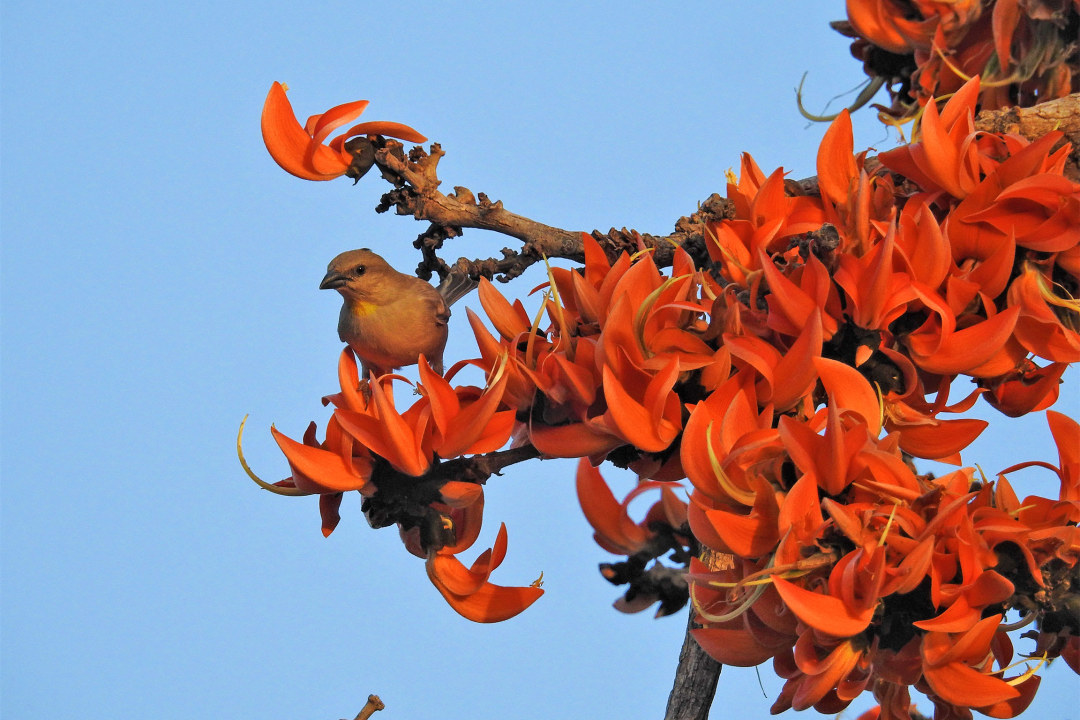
373,705
416,192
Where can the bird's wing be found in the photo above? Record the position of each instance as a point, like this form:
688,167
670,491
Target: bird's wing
442,312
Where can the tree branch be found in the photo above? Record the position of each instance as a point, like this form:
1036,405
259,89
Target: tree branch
416,192
697,674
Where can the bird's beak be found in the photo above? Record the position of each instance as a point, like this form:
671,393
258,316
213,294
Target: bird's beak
332,281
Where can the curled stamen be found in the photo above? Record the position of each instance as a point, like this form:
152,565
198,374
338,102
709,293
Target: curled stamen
1022,622
276,489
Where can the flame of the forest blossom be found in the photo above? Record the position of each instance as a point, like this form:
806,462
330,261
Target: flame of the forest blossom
790,380
467,589
301,150
1025,51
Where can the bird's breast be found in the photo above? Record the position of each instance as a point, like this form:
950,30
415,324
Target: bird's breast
361,309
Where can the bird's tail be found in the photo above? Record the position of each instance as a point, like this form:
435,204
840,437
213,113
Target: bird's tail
456,285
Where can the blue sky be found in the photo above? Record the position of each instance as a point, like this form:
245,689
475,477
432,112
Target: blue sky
160,280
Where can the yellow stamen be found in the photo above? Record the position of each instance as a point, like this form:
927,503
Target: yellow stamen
276,489
1028,673
888,525
739,495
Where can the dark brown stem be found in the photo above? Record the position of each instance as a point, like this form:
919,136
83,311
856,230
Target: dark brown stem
697,674
695,680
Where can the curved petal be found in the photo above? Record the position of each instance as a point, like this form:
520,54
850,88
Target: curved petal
849,390
290,145
326,468
961,685
389,129
604,513
826,613
491,603
732,647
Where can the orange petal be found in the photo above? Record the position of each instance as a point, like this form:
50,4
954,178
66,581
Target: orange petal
574,440
460,494
849,390
823,612
641,424
835,161
328,469
319,127
328,511
492,603
389,129
941,438
732,647
961,685
1014,706
349,379
510,320
795,373
603,512
962,350
291,146
388,435
478,427
958,617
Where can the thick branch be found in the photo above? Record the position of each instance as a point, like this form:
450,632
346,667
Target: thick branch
695,680
697,674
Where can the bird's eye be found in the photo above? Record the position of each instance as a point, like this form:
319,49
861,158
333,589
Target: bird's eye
359,269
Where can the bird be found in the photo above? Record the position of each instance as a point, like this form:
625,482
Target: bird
389,318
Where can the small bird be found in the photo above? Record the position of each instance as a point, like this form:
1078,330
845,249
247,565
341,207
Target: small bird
389,318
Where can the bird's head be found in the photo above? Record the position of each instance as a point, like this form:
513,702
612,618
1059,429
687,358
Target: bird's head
357,274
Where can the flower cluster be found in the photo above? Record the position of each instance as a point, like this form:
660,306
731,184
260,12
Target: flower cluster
791,373
1026,52
793,379
388,458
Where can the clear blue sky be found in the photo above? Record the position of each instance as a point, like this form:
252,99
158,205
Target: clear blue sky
160,280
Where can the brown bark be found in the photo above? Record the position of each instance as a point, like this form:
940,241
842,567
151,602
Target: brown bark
695,680
373,705
697,673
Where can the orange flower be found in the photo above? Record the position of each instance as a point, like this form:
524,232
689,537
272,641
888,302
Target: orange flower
300,150
1029,388
1048,323
827,683
764,218
946,157
468,591
847,609
402,440
467,419
954,666
328,469
614,530
318,470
